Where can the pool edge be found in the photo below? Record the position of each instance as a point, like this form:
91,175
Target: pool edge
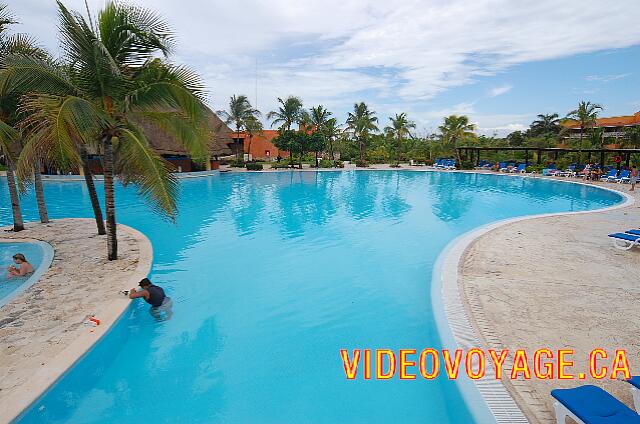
22,398
487,398
47,259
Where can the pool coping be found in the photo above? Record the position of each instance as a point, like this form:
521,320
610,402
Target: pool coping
24,396
487,398
47,259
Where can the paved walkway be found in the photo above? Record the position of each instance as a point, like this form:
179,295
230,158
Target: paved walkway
556,282
41,330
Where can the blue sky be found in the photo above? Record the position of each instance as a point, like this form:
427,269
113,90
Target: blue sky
499,61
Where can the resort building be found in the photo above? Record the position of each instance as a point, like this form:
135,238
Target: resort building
260,146
613,127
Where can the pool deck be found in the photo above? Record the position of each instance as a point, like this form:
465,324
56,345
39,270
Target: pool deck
555,282
41,330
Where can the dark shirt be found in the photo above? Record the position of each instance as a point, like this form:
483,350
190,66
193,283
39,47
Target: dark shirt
156,295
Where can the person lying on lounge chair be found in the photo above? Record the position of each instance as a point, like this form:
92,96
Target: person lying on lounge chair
23,268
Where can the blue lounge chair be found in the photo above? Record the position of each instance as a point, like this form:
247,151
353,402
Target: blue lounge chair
611,175
635,391
591,405
522,168
625,241
635,233
624,177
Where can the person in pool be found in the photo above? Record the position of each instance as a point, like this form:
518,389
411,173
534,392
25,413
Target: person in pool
154,296
23,268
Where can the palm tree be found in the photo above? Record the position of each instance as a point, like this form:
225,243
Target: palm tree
318,118
361,122
253,126
545,124
10,135
240,110
400,127
331,133
288,113
113,79
455,129
586,115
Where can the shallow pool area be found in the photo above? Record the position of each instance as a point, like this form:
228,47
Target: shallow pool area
39,254
271,275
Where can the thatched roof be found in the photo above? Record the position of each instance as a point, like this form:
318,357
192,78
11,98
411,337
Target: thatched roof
165,144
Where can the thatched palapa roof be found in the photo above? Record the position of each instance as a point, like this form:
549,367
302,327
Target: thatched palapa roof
165,144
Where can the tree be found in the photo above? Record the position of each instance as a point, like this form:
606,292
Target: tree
253,126
318,118
361,122
400,128
455,129
516,138
240,111
11,136
111,80
586,115
546,124
331,133
288,113
315,142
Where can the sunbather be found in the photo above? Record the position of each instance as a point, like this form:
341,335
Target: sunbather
23,268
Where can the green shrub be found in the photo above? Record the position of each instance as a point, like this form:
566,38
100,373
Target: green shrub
326,163
361,163
281,165
237,164
338,164
251,166
466,164
395,165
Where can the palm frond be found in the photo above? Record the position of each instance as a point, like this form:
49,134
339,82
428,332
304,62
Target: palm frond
138,163
25,74
8,136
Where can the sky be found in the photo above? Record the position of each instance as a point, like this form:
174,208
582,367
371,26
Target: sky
501,62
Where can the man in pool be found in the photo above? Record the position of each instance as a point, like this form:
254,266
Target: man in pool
154,296
23,268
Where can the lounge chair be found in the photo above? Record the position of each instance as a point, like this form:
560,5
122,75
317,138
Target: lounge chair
610,176
522,168
624,177
591,405
450,164
625,241
635,390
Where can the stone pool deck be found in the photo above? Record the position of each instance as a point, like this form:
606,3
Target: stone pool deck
41,330
556,282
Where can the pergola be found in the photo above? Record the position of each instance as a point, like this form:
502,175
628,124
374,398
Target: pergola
624,154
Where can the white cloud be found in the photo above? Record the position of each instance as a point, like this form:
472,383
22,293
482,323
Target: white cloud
397,53
606,78
499,91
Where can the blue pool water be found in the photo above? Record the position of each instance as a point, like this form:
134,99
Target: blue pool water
11,287
271,274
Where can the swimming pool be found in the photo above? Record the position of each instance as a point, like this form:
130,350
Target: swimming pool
39,254
273,273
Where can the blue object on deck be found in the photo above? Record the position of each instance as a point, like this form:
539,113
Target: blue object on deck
635,233
625,236
593,405
521,168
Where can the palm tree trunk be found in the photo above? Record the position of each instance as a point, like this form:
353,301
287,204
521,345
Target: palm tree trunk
93,195
361,146
37,180
237,144
331,149
317,159
457,154
18,224
579,149
109,197
250,140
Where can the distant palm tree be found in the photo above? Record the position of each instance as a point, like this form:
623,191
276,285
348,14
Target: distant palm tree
331,133
455,129
240,110
113,79
586,115
400,128
288,113
545,124
318,118
253,126
361,122
11,136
